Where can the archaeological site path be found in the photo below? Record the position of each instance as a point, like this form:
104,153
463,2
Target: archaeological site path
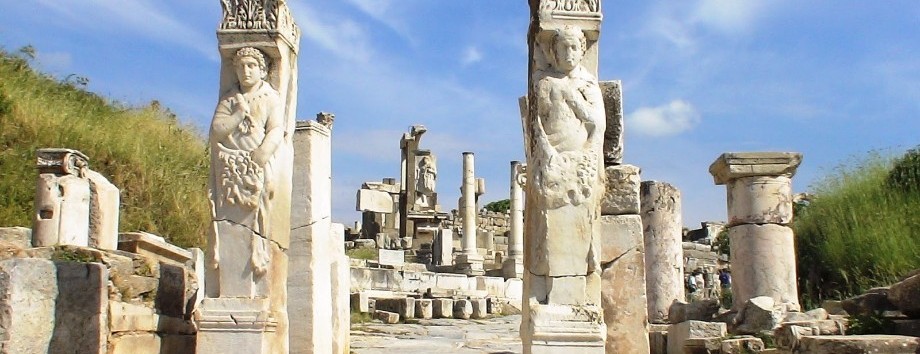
497,335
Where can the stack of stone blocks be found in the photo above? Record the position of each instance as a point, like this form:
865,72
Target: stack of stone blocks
70,285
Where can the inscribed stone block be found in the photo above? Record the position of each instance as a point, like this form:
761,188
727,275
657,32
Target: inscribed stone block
622,190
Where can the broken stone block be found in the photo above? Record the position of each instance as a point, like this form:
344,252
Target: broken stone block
742,345
619,235
374,201
905,295
386,316
680,333
28,289
423,309
104,203
861,344
873,301
18,237
134,343
81,310
463,309
711,345
787,335
405,306
833,307
359,302
658,338
442,308
126,317
480,310
622,194
625,307
702,310
758,314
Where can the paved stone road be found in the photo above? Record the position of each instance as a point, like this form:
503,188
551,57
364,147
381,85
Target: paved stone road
497,335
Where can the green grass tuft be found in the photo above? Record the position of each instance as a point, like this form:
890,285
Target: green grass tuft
858,232
160,166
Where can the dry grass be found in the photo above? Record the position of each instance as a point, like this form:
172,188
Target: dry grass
160,165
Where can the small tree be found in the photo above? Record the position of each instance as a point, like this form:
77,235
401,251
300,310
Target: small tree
499,206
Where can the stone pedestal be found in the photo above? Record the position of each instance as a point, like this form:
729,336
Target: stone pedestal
312,253
513,266
227,325
664,263
62,195
469,261
759,186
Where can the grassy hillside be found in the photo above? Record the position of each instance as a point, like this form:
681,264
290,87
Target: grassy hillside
159,165
862,229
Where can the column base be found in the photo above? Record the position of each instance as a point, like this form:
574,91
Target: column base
236,325
513,268
469,264
570,329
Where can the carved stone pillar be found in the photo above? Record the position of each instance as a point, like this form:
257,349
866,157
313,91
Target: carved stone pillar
469,261
759,186
245,309
514,265
564,124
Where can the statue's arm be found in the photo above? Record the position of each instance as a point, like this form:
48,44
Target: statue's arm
589,108
226,118
544,106
274,134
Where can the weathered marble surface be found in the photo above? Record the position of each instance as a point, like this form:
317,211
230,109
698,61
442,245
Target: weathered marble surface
662,232
564,121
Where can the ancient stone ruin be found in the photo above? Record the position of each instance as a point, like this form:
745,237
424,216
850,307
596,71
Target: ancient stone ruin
588,258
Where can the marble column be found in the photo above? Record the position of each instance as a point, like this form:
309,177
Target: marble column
759,187
664,261
469,261
312,253
513,267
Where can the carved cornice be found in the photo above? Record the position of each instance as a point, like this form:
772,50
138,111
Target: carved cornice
61,161
572,5
268,15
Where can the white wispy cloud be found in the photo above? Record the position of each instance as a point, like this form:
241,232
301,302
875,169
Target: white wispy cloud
339,35
385,12
729,16
146,18
471,55
669,119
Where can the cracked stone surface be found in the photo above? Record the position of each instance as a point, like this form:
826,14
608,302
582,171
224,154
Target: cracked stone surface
497,335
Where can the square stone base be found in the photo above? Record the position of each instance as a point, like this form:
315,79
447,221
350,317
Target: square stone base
513,268
569,329
234,325
471,264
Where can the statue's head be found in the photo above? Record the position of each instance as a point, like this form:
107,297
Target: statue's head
250,66
567,48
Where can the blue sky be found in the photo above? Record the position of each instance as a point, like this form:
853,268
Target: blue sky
830,79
